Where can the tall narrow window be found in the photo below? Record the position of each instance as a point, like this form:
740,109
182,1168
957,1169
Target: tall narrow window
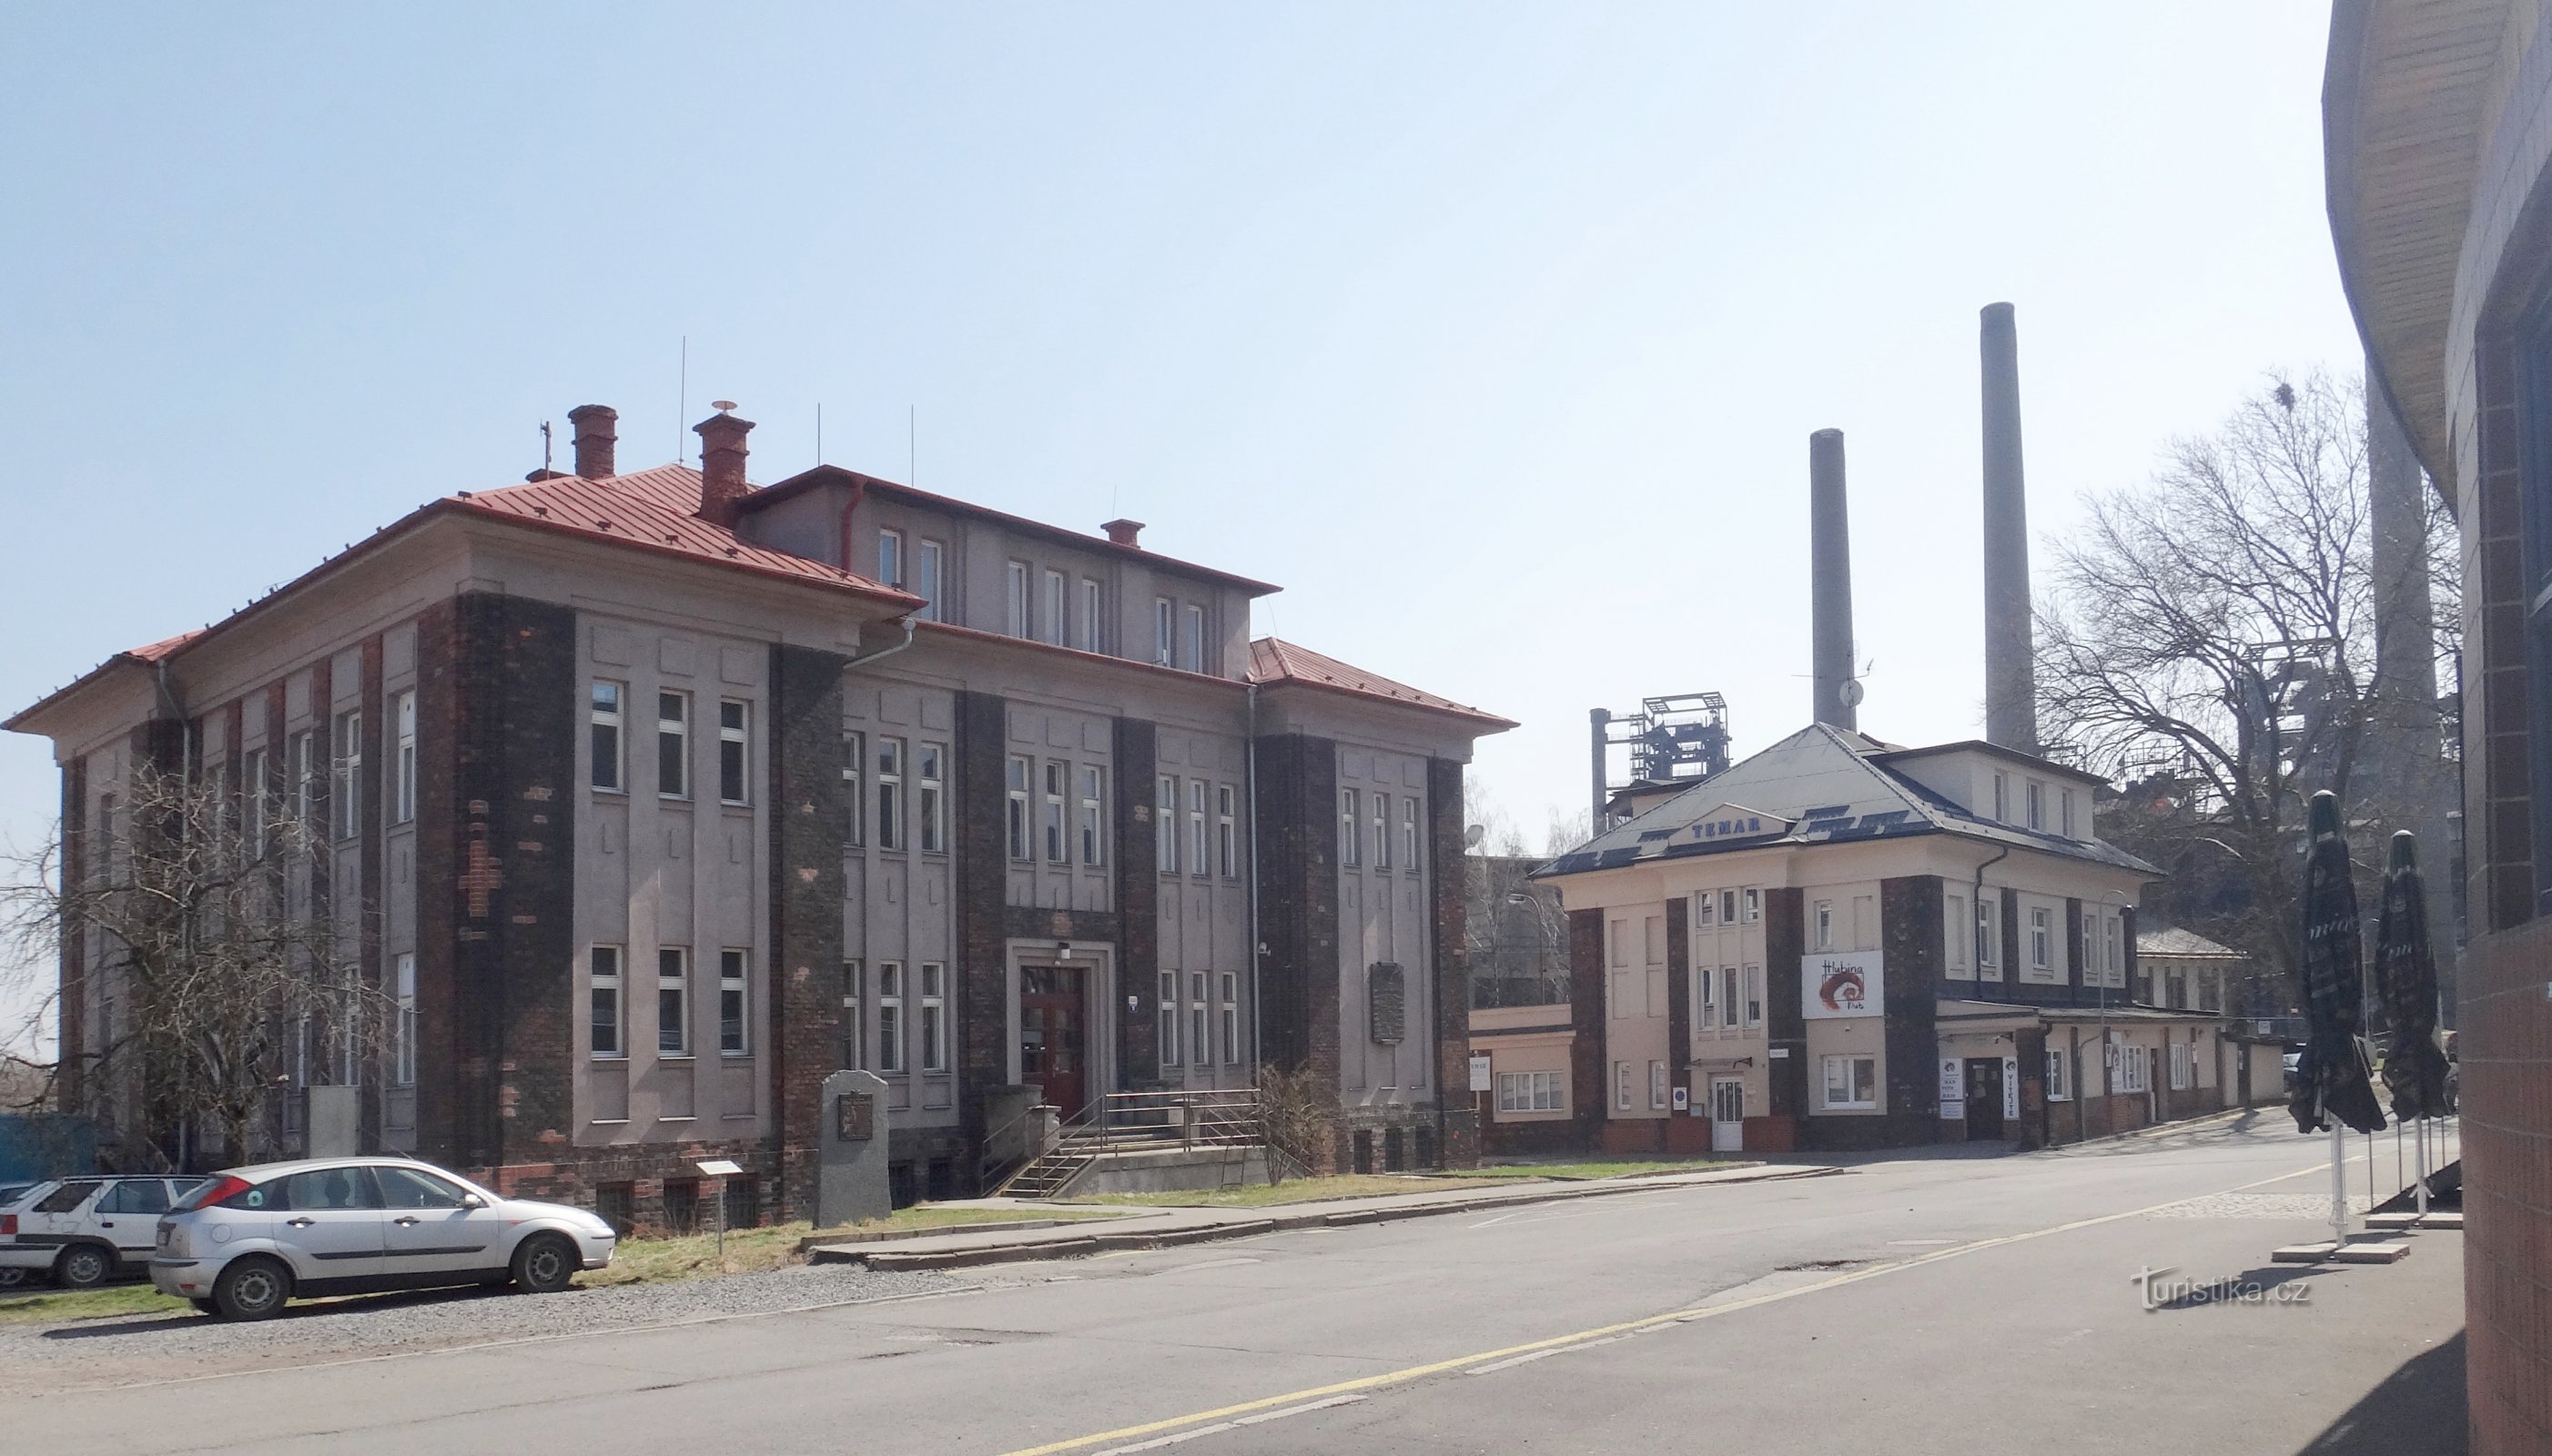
1820,926
1226,831
935,1016
890,793
1200,852
306,784
1752,906
854,1009
1728,994
347,792
1382,831
1056,852
1090,619
403,758
929,813
1165,824
603,1010
1409,834
1705,984
855,756
1094,817
1656,1084
1754,995
1622,1085
1168,1018
733,744
254,800
1192,653
2033,800
1161,643
1055,610
1200,1019
1988,935
732,1018
1014,598
1961,937
2042,938
673,745
404,1028
2064,811
890,1016
1350,831
1017,821
1705,909
927,556
2002,798
891,558
1231,1017
1728,907
672,1002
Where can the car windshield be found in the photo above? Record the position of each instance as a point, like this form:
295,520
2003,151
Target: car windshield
67,1197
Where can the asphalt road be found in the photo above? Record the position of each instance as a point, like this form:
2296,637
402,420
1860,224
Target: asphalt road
1925,1304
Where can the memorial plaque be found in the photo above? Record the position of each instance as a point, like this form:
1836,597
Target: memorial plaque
1387,1002
854,1118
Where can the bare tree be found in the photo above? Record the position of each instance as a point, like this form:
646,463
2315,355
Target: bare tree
204,969
2210,641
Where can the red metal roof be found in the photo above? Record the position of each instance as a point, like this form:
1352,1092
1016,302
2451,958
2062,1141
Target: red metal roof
1273,659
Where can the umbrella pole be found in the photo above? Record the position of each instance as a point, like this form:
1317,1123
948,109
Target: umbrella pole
2338,1184
2423,1168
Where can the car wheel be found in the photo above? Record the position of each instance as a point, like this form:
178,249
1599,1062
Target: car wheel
205,1307
82,1267
545,1263
12,1277
252,1289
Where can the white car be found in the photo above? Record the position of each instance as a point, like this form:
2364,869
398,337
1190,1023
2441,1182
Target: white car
253,1238
84,1231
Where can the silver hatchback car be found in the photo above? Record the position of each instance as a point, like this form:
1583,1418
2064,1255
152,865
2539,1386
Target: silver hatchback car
251,1238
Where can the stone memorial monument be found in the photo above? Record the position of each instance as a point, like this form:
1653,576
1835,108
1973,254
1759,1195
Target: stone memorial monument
850,1156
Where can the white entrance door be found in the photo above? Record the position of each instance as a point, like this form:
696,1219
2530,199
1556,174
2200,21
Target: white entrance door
1727,1115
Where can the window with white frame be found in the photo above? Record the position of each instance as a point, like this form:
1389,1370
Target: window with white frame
1754,995
606,1036
1015,599
1531,1091
1200,1019
673,1001
2115,930
1162,645
1622,1085
673,745
1820,926
1192,657
1657,1094
1960,935
1409,834
1705,910
605,715
2034,802
1851,1083
1990,935
890,1016
1052,628
2002,798
254,800
403,1026
2060,1080
1728,907
1751,907
1230,1006
1057,850
1381,830
891,558
855,757
935,1016
1094,815
1705,997
1021,838
2179,1066
1167,1014
1729,993
854,1009
1165,823
1090,616
305,782
1350,833
929,803
1199,834
733,1017
928,557
403,757
890,793
2042,938
736,783
2065,807
347,792
1227,830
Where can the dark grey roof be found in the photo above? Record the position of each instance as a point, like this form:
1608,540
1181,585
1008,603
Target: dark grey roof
1821,784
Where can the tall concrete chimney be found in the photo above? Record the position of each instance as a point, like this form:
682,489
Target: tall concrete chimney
2011,686
722,482
1837,696
598,437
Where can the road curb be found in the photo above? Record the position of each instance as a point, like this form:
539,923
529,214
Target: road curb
1276,1223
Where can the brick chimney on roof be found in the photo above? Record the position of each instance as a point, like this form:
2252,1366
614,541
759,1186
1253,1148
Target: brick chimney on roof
723,483
597,436
1122,532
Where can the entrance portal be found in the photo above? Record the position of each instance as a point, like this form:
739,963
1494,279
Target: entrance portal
1053,1013
1727,1115
1984,1098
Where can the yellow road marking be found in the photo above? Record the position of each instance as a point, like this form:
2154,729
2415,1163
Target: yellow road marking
1627,1326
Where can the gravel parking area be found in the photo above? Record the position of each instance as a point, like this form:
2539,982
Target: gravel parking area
159,1347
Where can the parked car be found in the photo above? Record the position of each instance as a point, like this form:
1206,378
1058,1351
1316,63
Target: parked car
84,1231
253,1238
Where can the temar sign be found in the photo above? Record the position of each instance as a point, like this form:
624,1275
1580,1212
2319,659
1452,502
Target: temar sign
1842,984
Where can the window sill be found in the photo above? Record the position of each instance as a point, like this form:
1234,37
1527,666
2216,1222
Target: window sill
686,1117
732,1057
609,789
609,1059
606,1123
664,1057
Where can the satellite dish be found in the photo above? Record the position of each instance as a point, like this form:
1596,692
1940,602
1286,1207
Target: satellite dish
1473,834
1850,692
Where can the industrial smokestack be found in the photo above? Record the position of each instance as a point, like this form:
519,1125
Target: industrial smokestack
1838,697
2011,689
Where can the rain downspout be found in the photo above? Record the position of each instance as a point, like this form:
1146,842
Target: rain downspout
1257,948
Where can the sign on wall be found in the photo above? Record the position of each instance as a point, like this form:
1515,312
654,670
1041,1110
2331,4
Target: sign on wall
1842,984
1480,1079
2010,1086
1954,1089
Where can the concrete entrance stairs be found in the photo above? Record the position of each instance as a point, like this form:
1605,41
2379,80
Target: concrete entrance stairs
1141,1141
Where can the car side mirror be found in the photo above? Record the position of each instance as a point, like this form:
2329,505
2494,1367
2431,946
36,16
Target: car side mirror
472,1200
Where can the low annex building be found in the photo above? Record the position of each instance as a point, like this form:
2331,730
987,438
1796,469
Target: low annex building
1841,942
656,797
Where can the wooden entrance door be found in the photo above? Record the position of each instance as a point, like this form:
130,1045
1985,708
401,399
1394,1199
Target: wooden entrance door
1053,1015
1984,1097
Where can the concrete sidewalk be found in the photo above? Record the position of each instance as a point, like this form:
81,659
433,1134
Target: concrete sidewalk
1167,1227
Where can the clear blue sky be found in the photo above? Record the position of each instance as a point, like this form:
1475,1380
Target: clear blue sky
1493,332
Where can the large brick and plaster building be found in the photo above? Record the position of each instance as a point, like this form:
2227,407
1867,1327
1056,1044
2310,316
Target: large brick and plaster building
1840,942
2438,147
656,797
